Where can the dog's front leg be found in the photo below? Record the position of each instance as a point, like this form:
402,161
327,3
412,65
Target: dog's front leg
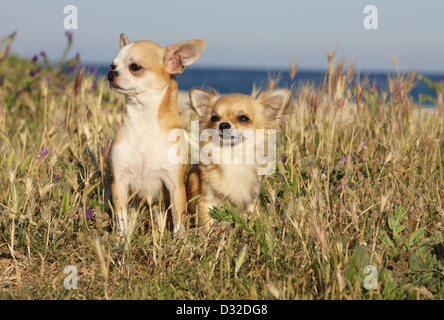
205,221
119,191
179,208
178,199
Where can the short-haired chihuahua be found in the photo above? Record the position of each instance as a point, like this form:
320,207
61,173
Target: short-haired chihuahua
144,73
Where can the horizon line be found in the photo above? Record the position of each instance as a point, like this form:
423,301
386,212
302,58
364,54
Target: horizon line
288,70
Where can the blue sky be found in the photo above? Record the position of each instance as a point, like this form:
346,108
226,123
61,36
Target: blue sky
240,33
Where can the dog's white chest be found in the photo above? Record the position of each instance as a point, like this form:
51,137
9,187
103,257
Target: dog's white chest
141,155
238,184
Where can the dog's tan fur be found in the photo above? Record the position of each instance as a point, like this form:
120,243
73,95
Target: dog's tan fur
237,183
139,153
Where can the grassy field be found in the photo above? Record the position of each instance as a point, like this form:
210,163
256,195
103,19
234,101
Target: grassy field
360,182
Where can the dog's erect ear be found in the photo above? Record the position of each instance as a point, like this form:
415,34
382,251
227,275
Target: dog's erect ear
123,40
182,54
202,101
275,102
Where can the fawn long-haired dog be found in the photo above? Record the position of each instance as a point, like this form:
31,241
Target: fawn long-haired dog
144,73
235,123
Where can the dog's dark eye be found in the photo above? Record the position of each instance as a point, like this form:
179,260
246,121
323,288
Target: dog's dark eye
135,67
113,66
243,118
215,118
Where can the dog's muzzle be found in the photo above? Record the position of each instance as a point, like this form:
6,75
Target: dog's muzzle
112,75
224,126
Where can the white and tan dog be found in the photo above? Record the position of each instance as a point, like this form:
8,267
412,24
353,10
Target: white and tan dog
144,72
231,117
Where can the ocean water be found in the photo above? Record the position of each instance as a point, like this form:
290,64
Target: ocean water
242,81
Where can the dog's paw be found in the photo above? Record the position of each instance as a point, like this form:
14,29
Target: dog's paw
179,231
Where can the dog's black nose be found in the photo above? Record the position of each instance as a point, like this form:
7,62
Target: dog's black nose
224,125
112,75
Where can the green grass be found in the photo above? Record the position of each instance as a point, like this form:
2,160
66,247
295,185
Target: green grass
366,190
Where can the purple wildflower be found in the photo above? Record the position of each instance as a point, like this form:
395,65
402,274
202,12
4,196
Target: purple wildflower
12,35
68,34
89,214
343,160
94,86
33,73
71,69
93,69
56,178
19,93
276,203
442,79
42,152
35,58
